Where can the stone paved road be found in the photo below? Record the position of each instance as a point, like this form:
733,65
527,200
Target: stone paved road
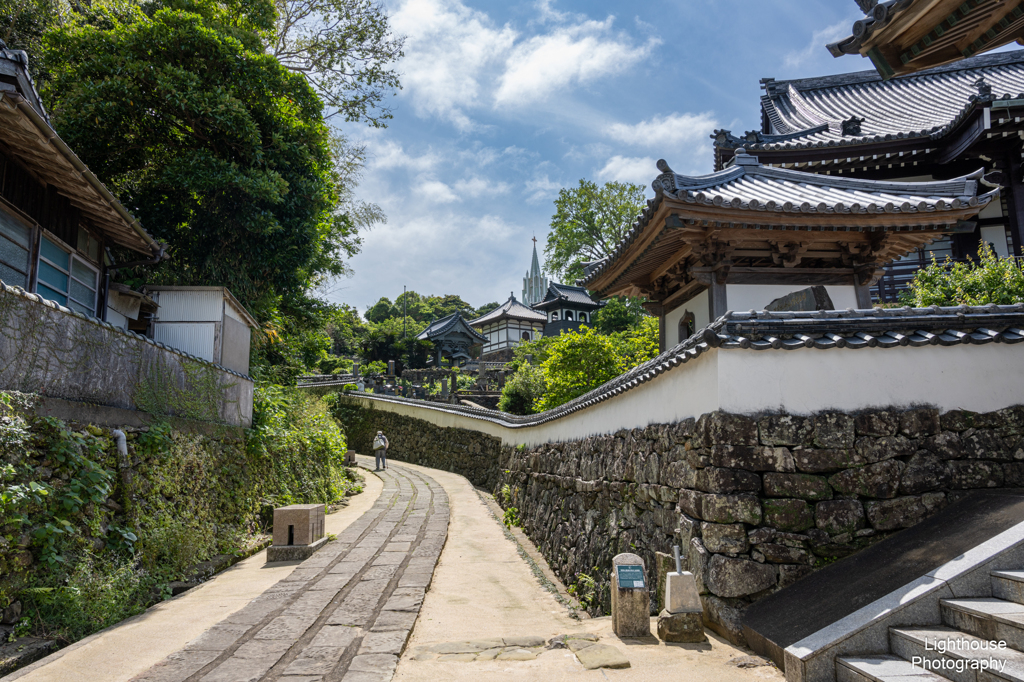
344,614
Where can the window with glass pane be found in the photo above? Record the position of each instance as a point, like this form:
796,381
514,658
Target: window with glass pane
54,271
14,247
83,287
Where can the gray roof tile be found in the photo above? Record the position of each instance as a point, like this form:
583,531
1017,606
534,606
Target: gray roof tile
510,309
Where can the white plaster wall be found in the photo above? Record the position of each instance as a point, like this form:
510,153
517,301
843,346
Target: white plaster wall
996,236
698,305
744,297
978,378
687,391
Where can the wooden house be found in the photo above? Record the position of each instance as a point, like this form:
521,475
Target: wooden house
57,220
937,124
453,338
506,326
566,307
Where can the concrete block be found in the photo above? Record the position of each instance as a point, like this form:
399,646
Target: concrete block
681,594
298,524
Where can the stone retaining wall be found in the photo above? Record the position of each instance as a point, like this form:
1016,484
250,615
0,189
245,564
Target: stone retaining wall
755,503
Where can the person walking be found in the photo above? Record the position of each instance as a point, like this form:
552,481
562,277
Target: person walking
380,451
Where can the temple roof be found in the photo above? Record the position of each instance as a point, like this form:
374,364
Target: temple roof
760,213
510,309
561,295
907,36
861,109
452,324
30,139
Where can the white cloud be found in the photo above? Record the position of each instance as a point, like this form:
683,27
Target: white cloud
541,189
389,155
574,54
436,191
641,170
829,34
666,132
477,186
448,49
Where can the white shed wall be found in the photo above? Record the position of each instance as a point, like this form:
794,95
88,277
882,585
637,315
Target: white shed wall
744,297
195,338
189,306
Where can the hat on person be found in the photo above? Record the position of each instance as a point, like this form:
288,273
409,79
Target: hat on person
380,433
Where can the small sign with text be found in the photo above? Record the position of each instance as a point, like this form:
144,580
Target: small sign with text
630,576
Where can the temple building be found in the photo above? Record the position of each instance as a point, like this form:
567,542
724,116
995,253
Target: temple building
535,284
905,36
453,338
566,308
742,237
508,325
936,124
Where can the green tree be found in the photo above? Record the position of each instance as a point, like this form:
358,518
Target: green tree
522,390
577,362
637,345
346,50
216,147
990,279
619,314
485,308
443,306
588,224
382,310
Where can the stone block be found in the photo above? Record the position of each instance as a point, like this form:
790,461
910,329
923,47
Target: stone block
293,552
789,574
782,554
833,430
729,577
681,627
1013,474
725,617
718,480
879,480
688,529
697,563
815,461
902,512
945,445
839,516
719,427
925,471
690,503
681,595
984,444
876,423
725,538
871,450
631,605
752,458
957,420
801,486
791,515
730,509
784,429
969,474
919,423
298,524
664,564
603,656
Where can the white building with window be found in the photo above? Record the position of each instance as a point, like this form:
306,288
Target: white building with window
506,326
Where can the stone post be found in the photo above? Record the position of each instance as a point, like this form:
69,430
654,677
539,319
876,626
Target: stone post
682,619
631,597
444,387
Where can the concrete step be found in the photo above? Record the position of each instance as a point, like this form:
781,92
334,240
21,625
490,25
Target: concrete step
1008,585
987,618
966,658
882,669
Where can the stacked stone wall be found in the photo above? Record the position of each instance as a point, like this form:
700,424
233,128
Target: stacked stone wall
755,503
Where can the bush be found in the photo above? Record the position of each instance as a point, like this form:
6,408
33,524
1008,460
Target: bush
524,388
989,280
577,362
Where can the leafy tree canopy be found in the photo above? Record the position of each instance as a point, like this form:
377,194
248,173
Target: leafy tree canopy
588,224
217,148
990,279
620,314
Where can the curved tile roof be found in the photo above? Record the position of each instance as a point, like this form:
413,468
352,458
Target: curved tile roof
811,112
748,186
447,324
512,309
761,330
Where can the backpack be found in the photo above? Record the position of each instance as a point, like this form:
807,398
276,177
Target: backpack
379,442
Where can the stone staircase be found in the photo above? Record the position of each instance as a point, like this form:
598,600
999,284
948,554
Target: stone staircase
969,626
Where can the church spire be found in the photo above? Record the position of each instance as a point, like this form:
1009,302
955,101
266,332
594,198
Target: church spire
535,284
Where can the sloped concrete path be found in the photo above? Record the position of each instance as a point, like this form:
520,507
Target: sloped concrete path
342,615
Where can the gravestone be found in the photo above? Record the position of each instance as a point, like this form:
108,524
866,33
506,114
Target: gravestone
391,368
631,597
298,532
444,387
682,619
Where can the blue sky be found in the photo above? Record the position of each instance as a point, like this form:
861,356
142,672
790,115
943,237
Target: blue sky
504,103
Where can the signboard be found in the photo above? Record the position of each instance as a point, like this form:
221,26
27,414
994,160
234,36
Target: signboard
630,576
